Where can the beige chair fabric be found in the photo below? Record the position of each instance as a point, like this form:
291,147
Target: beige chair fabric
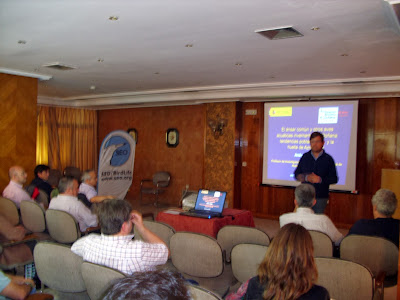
345,280
164,231
245,260
200,293
60,269
200,257
232,235
377,253
62,226
98,279
32,215
9,210
323,245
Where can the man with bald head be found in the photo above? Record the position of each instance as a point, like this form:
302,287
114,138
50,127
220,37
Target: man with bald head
14,190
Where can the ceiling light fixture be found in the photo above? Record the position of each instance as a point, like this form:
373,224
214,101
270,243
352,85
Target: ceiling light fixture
344,54
238,64
189,45
363,72
315,28
113,18
157,73
100,60
92,87
22,42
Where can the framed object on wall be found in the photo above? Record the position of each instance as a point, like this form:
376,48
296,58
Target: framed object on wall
133,133
172,137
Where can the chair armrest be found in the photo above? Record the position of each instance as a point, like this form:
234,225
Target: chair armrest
145,180
91,229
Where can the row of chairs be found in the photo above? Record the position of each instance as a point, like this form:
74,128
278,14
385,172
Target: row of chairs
67,276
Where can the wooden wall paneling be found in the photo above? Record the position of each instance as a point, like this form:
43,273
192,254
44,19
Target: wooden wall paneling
250,145
219,155
185,162
238,157
18,100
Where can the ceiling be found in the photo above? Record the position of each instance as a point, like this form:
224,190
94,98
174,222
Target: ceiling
162,52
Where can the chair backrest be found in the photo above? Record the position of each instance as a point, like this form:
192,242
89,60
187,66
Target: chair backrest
58,267
62,226
377,253
162,230
196,254
98,279
10,210
161,176
245,260
232,235
32,215
200,293
344,279
322,243
43,198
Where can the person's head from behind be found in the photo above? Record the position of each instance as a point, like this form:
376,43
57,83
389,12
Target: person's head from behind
89,177
42,171
384,203
68,186
304,195
150,285
115,215
288,268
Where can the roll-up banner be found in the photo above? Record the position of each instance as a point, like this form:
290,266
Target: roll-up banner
116,161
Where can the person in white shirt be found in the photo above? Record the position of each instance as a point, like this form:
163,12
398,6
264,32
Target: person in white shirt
88,187
115,248
305,216
67,201
14,190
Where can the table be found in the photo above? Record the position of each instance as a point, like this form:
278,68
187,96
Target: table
206,226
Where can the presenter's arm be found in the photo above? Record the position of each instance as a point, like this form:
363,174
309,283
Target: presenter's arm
331,177
298,173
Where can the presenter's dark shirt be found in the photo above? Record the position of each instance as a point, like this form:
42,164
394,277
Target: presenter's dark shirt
383,227
255,291
42,185
324,166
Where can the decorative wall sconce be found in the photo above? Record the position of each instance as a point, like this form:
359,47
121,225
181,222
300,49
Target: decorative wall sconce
217,126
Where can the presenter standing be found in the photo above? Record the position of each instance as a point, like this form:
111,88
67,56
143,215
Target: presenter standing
318,168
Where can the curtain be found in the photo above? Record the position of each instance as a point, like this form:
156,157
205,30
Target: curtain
66,137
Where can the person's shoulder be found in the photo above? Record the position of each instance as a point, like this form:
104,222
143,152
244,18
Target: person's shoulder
283,219
318,292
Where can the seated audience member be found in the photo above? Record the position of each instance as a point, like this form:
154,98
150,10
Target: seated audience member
151,285
384,204
88,187
14,190
67,201
42,173
115,248
288,270
305,216
14,287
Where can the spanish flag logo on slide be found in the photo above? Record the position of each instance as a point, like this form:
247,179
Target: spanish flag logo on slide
280,111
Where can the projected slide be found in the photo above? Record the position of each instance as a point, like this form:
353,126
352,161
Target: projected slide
287,131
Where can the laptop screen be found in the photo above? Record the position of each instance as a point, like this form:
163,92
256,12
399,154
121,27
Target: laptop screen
210,201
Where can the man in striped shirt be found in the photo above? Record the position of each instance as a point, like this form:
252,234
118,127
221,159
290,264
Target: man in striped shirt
114,247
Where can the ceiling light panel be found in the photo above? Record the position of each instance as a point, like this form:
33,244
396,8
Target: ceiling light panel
279,33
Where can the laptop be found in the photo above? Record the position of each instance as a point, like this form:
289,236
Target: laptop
209,204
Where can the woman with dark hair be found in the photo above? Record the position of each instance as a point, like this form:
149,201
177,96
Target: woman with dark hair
288,270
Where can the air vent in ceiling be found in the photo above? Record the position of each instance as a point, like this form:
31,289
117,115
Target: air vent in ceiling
59,66
279,33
